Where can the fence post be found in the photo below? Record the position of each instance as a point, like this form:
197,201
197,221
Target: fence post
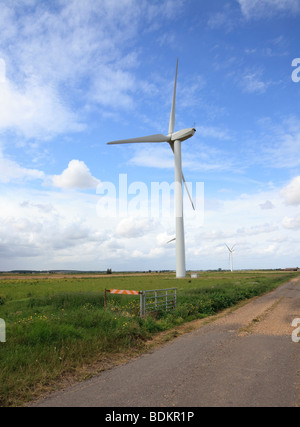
141,303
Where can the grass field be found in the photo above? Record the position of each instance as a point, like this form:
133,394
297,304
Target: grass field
56,326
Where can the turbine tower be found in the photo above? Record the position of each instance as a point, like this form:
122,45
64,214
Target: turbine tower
174,139
230,255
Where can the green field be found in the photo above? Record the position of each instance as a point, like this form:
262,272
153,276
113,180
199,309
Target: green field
55,326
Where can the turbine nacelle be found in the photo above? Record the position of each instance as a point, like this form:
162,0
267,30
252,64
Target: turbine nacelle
182,135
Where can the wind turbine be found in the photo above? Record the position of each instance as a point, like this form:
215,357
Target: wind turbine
230,255
174,139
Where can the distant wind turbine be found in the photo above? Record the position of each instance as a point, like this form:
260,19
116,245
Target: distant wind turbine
230,255
174,139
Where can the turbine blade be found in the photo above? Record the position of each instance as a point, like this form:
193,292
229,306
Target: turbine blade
172,240
227,247
149,138
187,190
172,116
186,187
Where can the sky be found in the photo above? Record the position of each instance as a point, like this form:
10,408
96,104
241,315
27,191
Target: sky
76,74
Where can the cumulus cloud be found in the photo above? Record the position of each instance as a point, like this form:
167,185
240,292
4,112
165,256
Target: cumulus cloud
53,230
291,193
291,223
77,175
50,230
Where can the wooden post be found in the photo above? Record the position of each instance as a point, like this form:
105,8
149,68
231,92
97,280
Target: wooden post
104,299
141,303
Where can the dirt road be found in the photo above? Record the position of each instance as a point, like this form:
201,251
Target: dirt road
245,358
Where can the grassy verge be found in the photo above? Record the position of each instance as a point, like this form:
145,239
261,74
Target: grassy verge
57,326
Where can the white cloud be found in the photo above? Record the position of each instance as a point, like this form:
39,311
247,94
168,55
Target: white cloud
68,53
113,88
252,82
2,71
42,207
257,229
291,222
50,230
284,152
213,132
291,193
35,110
153,156
132,228
278,143
11,171
267,205
207,158
57,230
224,19
266,8
77,175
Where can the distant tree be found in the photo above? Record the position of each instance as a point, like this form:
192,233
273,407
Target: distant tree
108,271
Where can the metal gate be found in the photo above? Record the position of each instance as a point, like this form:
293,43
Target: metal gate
157,300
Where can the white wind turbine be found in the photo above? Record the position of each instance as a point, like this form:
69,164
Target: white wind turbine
230,255
174,139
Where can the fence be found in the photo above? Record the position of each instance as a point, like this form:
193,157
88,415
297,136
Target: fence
150,301
158,300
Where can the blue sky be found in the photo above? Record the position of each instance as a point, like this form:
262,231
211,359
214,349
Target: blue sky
75,74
